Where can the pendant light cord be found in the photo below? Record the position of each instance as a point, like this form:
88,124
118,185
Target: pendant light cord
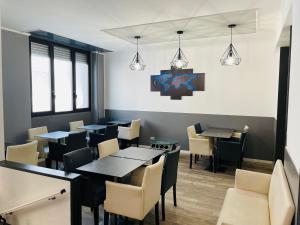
179,40
231,35
137,45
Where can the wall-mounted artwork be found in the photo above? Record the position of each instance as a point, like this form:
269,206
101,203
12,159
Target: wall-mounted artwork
177,82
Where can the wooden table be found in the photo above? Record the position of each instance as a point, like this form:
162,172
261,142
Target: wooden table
116,167
137,153
93,127
217,133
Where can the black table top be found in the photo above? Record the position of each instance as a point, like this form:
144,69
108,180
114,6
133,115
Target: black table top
93,127
145,154
119,122
112,166
217,133
56,135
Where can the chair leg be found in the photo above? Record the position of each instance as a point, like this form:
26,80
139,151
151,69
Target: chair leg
116,219
195,159
174,195
96,215
142,222
211,163
106,217
48,163
157,213
137,142
56,165
163,207
191,160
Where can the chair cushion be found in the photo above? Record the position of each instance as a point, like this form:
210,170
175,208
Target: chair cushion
243,207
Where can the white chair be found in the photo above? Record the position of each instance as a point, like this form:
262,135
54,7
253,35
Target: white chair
108,147
25,153
135,201
130,134
199,145
74,126
42,147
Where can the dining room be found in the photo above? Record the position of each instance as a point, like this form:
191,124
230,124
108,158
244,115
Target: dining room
149,112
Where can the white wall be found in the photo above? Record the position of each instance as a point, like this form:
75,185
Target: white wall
249,89
294,91
1,104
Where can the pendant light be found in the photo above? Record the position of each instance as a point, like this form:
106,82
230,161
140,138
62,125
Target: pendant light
137,63
230,56
179,61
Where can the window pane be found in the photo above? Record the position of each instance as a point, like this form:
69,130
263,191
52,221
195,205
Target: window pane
82,81
63,82
40,78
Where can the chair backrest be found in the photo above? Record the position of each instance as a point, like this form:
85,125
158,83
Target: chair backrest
76,141
111,132
77,158
108,147
95,139
198,128
103,121
280,200
238,134
191,132
169,177
25,153
135,128
246,129
74,126
152,184
36,131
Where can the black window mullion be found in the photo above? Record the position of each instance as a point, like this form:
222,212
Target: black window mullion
73,58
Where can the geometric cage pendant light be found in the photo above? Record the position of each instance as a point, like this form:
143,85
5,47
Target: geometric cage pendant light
230,56
137,63
179,60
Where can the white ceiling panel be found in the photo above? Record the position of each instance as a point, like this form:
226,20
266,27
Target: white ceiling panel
194,27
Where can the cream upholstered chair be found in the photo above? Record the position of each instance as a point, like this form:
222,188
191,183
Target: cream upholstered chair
135,201
200,145
74,126
130,134
108,147
42,147
25,153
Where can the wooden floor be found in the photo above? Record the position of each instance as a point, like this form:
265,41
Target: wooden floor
200,194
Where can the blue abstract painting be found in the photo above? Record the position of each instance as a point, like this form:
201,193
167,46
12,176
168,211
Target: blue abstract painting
177,82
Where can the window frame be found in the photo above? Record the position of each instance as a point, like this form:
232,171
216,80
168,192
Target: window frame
73,60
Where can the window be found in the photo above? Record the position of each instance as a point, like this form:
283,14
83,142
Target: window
82,81
40,78
63,82
60,78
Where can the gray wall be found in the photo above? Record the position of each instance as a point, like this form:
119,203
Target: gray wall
260,140
17,93
61,121
16,86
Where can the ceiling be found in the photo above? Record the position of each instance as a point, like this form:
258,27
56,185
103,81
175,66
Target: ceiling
85,21
194,28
